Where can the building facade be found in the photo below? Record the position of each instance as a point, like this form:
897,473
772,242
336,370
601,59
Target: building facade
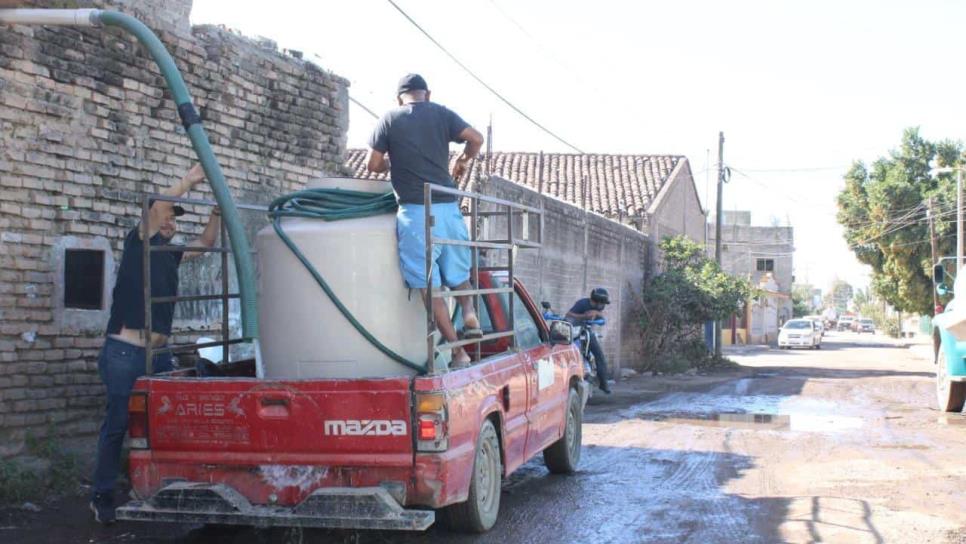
765,256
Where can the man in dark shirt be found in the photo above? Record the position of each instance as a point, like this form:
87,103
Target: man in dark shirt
122,359
588,309
416,137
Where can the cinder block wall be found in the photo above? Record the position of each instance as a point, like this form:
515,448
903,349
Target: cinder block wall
86,129
582,250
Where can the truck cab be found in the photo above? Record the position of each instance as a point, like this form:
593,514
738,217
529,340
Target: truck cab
949,342
385,453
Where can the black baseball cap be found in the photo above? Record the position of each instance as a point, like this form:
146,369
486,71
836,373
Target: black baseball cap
178,210
411,82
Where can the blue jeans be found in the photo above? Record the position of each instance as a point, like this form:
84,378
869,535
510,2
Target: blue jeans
602,375
452,263
120,365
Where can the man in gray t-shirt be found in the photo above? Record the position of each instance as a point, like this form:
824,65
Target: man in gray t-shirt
416,137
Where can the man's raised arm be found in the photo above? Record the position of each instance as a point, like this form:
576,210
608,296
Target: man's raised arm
474,141
161,209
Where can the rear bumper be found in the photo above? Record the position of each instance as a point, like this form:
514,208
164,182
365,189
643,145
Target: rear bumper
333,507
796,343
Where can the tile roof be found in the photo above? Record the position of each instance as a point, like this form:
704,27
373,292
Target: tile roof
601,183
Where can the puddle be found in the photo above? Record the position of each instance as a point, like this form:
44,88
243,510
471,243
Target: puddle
735,406
813,423
750,421
953,419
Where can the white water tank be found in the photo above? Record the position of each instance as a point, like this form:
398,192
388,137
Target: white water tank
303,334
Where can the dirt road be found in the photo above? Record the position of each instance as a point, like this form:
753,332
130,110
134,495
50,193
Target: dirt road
837,445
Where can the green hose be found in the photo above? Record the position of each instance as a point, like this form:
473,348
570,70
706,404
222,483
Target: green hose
241,250
335,205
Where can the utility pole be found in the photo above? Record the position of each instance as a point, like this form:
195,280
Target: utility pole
959,219
489,147
932,246
717,234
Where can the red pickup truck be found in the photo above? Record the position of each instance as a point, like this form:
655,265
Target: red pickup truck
360,453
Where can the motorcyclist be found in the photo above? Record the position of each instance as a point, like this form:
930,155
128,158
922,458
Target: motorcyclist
588,309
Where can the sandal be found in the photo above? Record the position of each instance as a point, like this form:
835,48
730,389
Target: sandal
473,332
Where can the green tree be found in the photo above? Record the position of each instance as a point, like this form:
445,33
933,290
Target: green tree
677,303
883,211
801,300
839,295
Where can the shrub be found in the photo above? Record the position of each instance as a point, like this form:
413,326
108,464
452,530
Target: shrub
676,304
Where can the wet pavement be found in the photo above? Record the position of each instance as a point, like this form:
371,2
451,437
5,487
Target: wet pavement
837,445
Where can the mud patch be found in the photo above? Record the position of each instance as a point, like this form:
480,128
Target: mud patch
952,419
283,476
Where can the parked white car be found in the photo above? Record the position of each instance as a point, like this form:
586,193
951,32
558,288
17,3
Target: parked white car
801,333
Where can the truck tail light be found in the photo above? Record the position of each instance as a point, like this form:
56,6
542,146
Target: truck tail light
427,429
431,422
137,424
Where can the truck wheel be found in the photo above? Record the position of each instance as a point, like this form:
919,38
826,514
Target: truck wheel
482,506
563,456
949,394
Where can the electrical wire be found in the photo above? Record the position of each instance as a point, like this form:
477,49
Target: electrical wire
479,80
804,169
363,106
899,226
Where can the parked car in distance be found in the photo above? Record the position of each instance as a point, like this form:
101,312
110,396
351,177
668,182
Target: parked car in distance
819,322
845,323
866,325
803,333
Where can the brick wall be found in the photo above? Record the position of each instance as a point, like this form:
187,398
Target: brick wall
86,129
582,250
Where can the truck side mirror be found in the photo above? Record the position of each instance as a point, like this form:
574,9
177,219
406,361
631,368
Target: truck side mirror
561,333
938,274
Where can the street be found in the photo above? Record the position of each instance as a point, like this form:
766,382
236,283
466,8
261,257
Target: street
837,445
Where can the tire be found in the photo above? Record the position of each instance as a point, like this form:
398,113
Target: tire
480,510
818,346
563,456
950,395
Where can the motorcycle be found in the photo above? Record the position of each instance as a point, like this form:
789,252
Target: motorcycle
582,334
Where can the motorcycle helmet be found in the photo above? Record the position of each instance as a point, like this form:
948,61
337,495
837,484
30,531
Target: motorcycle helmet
600,296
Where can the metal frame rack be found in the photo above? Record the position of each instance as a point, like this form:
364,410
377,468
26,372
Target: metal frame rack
509,211
222,248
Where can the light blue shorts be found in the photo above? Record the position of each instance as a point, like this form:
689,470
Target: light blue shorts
452,262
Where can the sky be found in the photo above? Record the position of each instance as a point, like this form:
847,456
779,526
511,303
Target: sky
800,89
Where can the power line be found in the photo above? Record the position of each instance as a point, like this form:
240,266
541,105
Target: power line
483,83
803,169
783,195
899,226
363,106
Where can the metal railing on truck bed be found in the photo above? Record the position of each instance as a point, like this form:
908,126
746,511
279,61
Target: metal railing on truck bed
504,209
530,218
223,248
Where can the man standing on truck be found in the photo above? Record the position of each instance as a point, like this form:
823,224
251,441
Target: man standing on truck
122,359
588,309
416,137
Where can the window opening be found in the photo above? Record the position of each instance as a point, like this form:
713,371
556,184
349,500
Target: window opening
83,279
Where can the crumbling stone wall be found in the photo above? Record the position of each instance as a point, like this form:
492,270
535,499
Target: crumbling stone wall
86,130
